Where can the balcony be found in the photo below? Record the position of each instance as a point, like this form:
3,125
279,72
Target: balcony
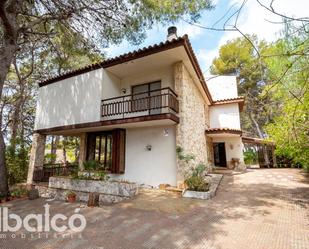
150,105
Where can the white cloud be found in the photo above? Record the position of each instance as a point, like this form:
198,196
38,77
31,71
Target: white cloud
205,58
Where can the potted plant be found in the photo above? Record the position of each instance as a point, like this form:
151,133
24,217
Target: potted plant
71,196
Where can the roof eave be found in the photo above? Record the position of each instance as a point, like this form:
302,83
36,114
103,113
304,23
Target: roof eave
181,41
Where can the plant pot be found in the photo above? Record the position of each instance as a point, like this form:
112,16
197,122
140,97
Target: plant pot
5,200
71,198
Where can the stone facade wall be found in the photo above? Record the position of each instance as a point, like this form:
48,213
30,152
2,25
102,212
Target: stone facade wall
36,155
194,118
210,151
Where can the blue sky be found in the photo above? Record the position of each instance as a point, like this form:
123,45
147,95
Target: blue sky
253,19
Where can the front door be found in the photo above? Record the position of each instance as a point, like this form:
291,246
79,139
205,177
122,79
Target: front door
219,154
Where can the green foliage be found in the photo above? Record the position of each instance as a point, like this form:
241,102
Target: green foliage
290,96
70,193
199,170
195,175
250,156
100,175
17,162
50,158
275,86
197,183
91,165
182,156
19,192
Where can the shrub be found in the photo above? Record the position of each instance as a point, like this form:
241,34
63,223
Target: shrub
91,165
196,179
19,192
70,193
50,158
197,183
250,156
17,163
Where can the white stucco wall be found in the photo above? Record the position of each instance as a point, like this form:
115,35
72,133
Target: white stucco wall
233,147
150,167
78,99
111,85
166,75
70,101
225,116
222,87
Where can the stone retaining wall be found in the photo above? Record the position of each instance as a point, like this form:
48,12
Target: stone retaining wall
109,191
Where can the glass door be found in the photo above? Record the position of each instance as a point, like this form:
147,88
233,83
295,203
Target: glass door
147,97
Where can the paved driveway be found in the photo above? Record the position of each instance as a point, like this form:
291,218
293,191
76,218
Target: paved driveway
263,208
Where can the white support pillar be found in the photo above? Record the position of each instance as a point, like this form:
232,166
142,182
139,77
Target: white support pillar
82,150
37,155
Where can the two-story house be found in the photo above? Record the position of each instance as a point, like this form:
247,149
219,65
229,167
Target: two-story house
132,111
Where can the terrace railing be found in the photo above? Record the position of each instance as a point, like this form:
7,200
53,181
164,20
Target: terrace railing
48,170
153,102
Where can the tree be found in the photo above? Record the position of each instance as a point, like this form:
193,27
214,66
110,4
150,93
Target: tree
99,22
289,91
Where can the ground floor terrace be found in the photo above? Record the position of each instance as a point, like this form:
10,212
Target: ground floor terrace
142,152
258,209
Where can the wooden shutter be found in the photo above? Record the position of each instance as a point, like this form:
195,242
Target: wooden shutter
118,155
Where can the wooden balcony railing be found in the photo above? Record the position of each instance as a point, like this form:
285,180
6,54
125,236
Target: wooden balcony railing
48,170
159,101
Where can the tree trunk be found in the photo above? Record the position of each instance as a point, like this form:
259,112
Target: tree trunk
4,187
64,150
15,121
54,146
9,27
76,151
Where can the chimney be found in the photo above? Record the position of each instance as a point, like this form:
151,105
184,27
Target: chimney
171,33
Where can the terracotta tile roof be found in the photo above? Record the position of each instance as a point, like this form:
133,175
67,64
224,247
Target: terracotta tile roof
223,130
180,41
230,99
240,100
254,140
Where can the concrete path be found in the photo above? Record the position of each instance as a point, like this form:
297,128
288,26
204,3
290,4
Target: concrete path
262,208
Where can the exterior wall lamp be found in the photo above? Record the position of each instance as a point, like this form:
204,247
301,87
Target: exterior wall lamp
148,147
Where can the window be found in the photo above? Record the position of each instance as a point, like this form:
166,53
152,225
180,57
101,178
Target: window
108,149
147,97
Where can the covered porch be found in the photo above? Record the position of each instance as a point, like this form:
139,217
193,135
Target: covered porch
140,151
227,148
264,151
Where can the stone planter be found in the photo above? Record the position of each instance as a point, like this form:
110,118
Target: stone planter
214,183
196,194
